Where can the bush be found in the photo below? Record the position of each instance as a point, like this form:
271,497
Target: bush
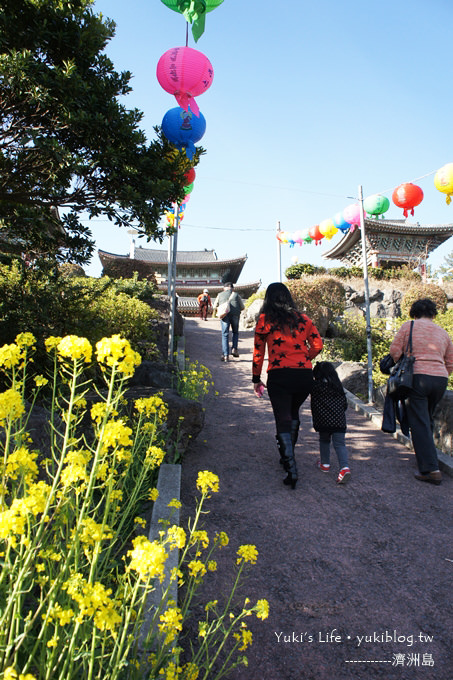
424,290
315,295
55,305
296,271
256,296
71,271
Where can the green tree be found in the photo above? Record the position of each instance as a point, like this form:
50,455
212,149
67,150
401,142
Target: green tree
446,268
67,144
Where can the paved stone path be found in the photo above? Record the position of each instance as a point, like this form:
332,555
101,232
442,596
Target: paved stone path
369,561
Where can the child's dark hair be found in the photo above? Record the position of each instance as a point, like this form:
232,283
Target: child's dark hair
325,371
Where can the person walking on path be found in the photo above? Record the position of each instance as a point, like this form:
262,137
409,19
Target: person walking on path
236,305
204,302
328,410
433,351
292,340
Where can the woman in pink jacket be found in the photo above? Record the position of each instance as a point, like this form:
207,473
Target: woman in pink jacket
433,351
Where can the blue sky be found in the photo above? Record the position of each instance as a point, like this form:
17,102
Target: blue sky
308,101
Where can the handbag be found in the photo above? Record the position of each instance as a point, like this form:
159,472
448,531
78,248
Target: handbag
401,375
386,364
224,308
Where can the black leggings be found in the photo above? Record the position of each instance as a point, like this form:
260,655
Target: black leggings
288,388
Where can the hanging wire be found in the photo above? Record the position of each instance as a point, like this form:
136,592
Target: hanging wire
428,174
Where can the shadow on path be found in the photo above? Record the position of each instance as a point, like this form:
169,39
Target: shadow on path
369,561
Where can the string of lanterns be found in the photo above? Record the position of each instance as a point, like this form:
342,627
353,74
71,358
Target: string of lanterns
406,196
186,73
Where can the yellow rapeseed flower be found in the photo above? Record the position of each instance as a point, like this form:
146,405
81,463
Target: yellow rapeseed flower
174,503
190,671
196,569
150,405
21,463
11,674
207,481
52,342
171,671
147,558
116,352
25,340
176,537
10,355
246,637
248,553
262,609
154,456
200,536
116,433
73,347
221,539
153,494
171,623
11,405
92,532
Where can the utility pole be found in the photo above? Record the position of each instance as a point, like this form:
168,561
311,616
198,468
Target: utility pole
279,255
367,299
172,286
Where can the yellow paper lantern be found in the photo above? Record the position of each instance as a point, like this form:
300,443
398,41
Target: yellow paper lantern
327,228
443,180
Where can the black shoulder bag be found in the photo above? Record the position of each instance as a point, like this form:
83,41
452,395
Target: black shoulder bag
401,375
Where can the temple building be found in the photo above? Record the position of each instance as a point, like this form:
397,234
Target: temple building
195,270
391,243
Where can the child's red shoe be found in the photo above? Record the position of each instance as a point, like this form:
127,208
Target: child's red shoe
344,475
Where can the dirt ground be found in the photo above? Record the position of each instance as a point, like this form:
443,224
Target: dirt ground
358,577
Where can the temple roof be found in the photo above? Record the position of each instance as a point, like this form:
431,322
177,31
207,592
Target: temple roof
194,257
377,229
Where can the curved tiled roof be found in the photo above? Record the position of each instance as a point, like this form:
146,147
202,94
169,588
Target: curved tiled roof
438,233
193,257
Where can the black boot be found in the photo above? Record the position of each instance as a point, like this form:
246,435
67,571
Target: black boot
285,445
294,432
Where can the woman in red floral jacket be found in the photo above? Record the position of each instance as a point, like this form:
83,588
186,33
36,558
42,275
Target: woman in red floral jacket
292,341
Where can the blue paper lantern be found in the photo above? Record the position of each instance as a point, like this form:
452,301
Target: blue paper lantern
340,222
183,129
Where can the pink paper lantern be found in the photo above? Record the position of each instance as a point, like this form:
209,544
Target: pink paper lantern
185,73
351,215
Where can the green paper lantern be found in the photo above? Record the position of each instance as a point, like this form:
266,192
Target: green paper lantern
185,5
194,12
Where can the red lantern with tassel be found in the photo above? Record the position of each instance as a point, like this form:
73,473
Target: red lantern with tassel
315,234
407,196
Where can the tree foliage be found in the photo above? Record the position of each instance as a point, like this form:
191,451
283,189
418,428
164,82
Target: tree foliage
67,144
446,268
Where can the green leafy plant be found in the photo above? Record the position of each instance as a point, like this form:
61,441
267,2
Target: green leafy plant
194,381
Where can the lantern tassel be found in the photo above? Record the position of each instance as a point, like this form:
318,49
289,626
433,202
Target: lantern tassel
185,100
448,199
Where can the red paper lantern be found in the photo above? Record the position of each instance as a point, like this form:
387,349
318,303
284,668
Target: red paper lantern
315,234
407,196
190,176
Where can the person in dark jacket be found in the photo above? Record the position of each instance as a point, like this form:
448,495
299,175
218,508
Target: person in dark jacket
231,319
328,409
